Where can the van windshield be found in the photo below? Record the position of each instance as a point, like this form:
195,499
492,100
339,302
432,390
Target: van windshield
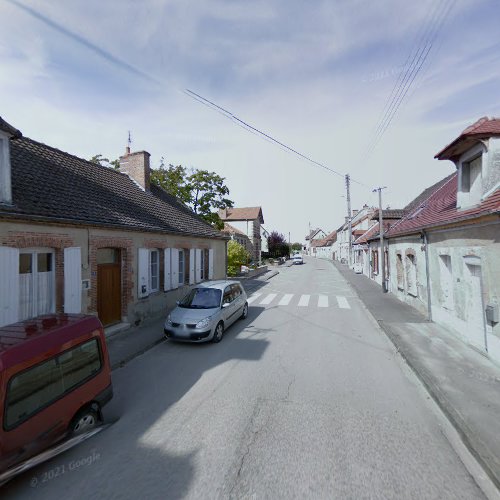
202,298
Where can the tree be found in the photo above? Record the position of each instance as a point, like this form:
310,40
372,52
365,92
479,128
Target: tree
297,247
104,162
277,245
203,191
237,256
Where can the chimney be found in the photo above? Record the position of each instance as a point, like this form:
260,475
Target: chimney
136,165
7,133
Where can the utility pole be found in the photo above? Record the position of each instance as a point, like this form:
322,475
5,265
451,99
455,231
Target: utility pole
348,188
381,234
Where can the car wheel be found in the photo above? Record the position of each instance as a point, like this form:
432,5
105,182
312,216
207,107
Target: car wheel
84,421
219,332
244,313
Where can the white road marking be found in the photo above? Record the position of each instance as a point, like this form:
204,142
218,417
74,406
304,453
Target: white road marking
268,299
342,302
304,300
323,301
255,296
285,300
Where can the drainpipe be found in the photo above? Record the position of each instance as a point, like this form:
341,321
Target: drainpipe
225,259
429,300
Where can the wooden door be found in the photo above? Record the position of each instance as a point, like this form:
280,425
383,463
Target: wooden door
109,304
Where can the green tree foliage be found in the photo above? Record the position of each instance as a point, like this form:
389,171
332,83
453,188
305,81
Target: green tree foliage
237,256
203,191
104,162
297,247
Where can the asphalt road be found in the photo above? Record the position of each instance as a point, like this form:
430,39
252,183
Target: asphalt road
306,398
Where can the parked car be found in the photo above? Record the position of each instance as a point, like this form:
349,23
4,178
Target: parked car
207,311
55,377
297,259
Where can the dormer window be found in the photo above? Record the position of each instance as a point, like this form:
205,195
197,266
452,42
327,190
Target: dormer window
5,187
470,180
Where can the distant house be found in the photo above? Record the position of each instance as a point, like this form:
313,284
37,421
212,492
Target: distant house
445,252
247,220
238,236
314,236
324,248
79,237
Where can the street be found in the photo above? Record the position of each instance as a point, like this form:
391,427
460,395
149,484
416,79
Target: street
306,398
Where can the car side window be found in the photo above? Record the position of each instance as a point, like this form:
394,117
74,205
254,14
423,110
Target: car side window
235,291
227,296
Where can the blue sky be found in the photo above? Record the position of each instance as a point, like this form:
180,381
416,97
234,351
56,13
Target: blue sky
315,75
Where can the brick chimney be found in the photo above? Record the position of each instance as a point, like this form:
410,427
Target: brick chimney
136,165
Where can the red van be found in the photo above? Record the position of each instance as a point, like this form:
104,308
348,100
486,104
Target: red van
55,377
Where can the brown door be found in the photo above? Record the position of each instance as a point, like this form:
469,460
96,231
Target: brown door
109,304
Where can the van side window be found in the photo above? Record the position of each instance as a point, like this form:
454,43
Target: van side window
32,390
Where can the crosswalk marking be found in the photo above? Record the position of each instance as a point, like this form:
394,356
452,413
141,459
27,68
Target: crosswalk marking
323,301
268,299
285,300
342,302
255,296
304,300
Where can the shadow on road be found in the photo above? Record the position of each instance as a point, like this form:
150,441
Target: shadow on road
136,458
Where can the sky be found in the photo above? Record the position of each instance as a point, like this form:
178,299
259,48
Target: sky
369,89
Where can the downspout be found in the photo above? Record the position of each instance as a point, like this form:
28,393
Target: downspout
429,300
225,259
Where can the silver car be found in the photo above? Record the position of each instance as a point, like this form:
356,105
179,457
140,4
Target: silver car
206,311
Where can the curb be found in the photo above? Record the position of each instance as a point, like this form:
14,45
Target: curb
466,435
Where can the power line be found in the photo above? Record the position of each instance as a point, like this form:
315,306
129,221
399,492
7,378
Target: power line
407,76
250,128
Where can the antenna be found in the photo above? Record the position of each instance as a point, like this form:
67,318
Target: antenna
129,142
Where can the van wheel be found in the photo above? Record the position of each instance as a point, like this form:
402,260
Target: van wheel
84,421
219,332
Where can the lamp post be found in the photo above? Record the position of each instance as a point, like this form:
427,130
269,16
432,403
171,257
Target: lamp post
381,235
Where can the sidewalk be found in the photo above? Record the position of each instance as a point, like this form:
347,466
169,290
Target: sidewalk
463,382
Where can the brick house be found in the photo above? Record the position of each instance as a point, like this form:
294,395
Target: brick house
80,237
249,221
445,252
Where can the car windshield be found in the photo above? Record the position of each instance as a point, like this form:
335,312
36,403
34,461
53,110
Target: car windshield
201,298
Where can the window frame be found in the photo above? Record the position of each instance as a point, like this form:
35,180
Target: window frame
150,270
182,266
62,395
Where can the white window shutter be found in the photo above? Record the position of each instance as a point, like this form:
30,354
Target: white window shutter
191,265
9,285
167,282
198,265
211,264
175,268
143,273
73,280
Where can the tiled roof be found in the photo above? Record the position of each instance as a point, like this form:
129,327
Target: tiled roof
247,213
51,185
485,127
390,213
440,209
233,230
313,233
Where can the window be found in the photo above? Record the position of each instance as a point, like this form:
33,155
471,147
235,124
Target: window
187,265
375,261
445,271
34,389
411,274
471,183
36,283
228,296
400,271
204,264
182,266
154,270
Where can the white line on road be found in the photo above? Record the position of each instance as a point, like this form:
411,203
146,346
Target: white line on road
285,300
342,302
304,300
268,299
255,296
323,301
